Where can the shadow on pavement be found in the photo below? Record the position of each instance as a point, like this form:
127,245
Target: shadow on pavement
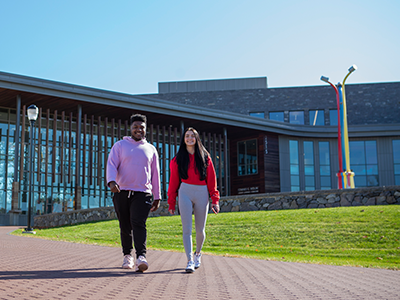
80,273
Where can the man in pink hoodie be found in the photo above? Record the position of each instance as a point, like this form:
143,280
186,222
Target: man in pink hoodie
133,175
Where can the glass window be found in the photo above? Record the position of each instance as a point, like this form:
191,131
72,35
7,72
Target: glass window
294,166
277,116
359,169
247,157
3,114
372,180
324,165
296,117
370,150
396,160
364,163
294,153
241,153
257,114
317,117
13,115
325,183
3,137
357,153
333,117
294,169
295,183
309,166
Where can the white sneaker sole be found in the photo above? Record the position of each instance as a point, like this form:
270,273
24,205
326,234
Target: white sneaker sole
142,267
127,267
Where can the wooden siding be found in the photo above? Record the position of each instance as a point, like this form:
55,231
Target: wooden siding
271,163
267,178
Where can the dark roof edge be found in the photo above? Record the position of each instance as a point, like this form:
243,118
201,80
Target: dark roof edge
145,103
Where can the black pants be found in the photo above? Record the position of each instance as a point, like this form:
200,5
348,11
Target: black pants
132,209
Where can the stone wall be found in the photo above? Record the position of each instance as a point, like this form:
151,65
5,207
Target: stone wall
86,215
273,201
312,199
74,217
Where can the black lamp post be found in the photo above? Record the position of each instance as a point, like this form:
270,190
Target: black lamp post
32,116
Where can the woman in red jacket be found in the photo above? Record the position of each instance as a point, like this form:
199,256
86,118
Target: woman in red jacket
193,180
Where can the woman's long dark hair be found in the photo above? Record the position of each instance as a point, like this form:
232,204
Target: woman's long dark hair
200,156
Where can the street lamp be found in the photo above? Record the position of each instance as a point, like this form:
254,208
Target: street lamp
32,116
349,174
339,174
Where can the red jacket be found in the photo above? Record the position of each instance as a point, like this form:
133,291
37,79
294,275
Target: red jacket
193,178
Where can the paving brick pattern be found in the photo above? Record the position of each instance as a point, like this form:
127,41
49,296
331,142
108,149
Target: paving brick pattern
32,268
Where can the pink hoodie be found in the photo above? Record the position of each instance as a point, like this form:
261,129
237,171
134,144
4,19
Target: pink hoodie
134,166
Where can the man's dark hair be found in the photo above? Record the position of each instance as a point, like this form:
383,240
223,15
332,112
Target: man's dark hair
138,117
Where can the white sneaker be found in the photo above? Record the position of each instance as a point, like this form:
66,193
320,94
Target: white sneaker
197,260
141,264
190,267
128,262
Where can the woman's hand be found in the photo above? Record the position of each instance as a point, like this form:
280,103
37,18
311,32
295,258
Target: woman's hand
215,208
171,211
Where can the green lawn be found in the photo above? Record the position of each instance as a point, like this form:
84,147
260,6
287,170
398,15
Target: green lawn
349,236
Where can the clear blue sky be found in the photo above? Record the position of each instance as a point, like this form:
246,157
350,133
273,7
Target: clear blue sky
130,46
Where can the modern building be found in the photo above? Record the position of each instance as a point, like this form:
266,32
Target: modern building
261,139
307,152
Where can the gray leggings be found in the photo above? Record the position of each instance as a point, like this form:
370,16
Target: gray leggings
193,197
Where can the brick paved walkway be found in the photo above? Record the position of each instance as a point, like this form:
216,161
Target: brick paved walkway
32,268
